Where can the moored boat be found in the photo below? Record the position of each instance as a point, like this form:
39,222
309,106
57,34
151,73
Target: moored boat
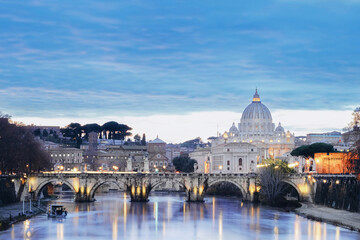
56,210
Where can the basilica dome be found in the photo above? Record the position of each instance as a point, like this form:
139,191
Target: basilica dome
256,119
256,110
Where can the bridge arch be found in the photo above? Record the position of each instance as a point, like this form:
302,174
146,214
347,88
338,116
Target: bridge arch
242,190
295,187
40,187
158,183
99,184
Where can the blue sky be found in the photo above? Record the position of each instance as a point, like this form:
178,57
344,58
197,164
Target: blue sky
91,60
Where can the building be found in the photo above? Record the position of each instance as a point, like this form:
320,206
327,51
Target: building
234,157
66,158
255,138
202,156
172,151
116,157
335,163
333,138
157,155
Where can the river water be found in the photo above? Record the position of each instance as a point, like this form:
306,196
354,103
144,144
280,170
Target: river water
167,216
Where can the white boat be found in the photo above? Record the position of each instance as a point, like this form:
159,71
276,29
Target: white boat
56,210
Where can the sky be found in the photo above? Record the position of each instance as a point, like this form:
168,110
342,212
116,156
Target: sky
180,69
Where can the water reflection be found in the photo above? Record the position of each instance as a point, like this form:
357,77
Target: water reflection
167,216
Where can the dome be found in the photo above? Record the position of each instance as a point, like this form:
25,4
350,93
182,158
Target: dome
157,140
279,128
233,129
256,119
256,110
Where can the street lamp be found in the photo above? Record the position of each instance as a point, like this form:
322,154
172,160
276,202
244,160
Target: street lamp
220,168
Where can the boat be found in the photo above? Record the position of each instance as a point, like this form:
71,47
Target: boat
56,210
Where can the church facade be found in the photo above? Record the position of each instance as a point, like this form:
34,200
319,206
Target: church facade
243,147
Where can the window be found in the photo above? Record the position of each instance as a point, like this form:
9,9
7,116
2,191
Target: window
240,168
228,150
228,162
240,161
160,163
228,168
252,150
158,156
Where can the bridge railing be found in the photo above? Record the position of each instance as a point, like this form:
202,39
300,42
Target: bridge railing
151,174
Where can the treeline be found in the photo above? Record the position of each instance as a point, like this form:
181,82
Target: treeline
110,130
19,151
308,151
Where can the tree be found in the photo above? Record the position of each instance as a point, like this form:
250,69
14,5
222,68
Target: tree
19,151
91,127
74,132
114,130
184,164
193,143
37,132
352,136
271,180
137,138
143,140
45,133
308,151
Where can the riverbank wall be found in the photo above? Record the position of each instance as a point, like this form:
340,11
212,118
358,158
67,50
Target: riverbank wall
338,193
343,218
16,212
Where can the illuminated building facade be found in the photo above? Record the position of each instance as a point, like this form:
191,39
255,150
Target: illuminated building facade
335,163
254,139
157,155
66,158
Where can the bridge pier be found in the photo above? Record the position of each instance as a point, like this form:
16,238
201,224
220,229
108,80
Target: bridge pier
83,197
195,194
139,189
196,188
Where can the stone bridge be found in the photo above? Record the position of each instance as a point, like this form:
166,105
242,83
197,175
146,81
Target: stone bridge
139,185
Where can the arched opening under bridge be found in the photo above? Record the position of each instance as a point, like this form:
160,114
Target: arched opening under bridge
106,186
225,188
54,187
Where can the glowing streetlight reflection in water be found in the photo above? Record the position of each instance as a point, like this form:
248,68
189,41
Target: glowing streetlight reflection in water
167,216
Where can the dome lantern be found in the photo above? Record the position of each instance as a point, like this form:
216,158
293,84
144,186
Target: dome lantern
256,97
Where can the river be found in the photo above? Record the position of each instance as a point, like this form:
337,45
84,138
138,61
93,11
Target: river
167,216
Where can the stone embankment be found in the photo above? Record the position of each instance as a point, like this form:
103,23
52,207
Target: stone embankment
13,213
350,220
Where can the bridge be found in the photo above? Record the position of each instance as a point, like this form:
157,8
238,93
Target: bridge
139,185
